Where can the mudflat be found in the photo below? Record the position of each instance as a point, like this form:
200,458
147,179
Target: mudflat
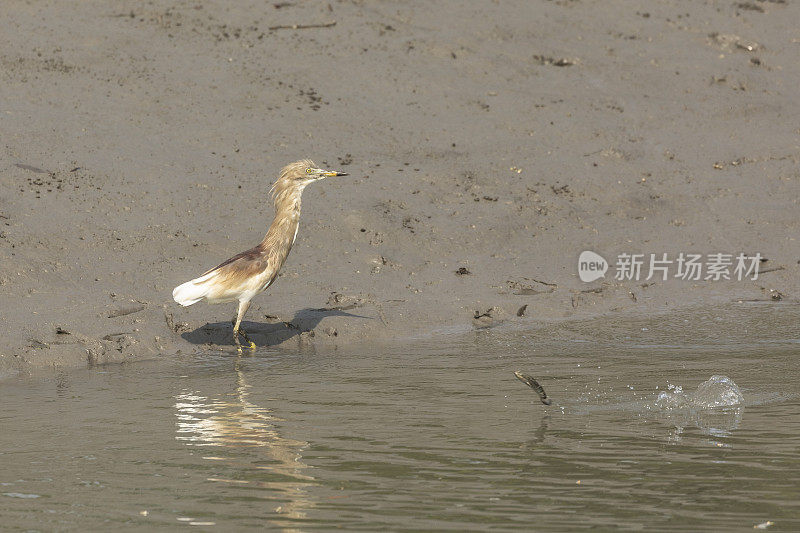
488,145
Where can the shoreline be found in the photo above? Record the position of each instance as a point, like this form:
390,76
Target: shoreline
319,342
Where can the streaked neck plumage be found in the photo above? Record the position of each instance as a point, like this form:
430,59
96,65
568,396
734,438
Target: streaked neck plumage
282,232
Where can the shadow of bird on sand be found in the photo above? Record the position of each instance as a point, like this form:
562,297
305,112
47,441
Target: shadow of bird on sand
221,333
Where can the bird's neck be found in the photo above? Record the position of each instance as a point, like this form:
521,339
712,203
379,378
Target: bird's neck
283,230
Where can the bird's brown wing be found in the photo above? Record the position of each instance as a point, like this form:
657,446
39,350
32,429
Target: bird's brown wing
245,264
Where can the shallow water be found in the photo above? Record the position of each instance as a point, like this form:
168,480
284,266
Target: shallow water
438,434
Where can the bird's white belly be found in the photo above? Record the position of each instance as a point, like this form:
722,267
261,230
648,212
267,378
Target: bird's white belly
255,286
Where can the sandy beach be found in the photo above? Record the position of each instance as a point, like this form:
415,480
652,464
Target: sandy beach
488,145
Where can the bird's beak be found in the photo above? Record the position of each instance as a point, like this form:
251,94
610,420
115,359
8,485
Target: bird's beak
329,173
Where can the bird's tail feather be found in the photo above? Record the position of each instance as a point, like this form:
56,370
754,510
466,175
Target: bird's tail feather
191,292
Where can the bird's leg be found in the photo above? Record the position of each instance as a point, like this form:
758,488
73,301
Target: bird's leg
243,307
236,334
243,333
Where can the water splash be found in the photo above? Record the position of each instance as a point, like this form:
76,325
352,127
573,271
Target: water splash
718,391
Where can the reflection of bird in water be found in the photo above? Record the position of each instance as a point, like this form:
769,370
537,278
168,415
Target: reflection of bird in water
206,421
244,275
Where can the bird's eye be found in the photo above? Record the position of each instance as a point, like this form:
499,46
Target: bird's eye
309,170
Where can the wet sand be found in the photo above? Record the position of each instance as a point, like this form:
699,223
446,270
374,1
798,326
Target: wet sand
488,144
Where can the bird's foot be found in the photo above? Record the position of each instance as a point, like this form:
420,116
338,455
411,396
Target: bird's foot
243,333
252,347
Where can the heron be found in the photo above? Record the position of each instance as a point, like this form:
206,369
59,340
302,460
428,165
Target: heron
246,274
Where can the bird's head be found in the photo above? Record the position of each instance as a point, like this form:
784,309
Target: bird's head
305,171
295,176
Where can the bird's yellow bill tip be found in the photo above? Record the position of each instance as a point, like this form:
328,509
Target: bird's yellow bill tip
334,173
